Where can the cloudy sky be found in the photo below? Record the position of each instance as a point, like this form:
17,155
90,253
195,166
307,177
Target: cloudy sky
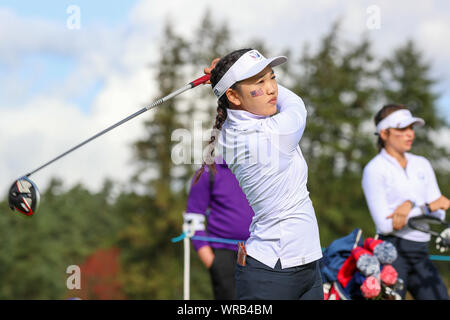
69,69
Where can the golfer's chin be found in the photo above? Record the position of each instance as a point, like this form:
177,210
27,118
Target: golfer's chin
407,148
261,110
273,110
269,110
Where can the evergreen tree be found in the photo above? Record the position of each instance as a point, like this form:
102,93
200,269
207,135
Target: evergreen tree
37,250
153,152
211,40
152,264
407,80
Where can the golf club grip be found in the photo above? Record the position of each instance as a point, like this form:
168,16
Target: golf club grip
200,80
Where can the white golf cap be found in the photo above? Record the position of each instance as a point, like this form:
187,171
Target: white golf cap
249,64
398,120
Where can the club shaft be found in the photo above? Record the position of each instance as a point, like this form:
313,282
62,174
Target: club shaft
151,106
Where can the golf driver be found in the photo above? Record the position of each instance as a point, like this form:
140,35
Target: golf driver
24,195
423,222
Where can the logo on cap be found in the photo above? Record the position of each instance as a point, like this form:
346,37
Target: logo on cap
255,55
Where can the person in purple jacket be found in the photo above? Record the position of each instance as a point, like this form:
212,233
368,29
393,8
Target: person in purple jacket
218,197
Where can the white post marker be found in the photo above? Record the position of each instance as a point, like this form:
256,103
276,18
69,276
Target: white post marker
187,264
192,222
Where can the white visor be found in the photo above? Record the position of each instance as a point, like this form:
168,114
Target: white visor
249,64
398,120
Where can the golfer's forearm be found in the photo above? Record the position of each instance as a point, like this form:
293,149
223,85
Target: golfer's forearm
206,255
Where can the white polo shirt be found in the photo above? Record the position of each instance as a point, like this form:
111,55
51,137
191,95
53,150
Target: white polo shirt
386,185
264,155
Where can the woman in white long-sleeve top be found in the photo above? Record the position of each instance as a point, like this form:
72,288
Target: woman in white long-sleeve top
399,185
261,124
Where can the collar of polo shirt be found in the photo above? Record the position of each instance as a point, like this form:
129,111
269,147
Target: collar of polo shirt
249,64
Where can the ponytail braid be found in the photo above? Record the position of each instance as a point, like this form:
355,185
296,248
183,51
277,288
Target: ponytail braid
222,106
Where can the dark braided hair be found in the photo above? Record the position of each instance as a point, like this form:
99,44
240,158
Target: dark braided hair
217,73
383,113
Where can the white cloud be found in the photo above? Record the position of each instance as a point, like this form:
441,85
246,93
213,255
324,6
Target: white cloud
22,36
432,35
49,124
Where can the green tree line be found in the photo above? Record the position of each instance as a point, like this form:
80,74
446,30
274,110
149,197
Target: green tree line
342,86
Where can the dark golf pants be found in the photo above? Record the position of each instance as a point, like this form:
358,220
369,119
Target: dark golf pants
414,267
222,274
256,281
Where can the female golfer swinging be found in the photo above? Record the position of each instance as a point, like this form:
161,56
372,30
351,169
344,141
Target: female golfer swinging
399,185
261,147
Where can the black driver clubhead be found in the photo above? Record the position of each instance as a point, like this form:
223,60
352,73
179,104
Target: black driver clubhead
24,197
